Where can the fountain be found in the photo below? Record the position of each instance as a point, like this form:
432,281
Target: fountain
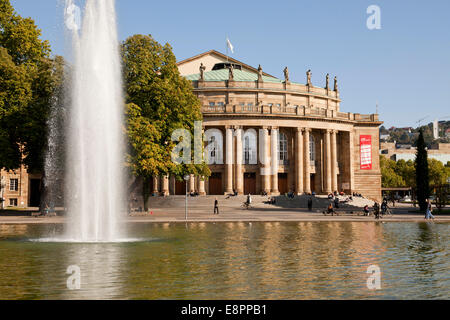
95,148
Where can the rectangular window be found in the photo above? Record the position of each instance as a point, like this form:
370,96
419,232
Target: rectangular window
242,104
212,104
14,185
13,202
221,104
250,105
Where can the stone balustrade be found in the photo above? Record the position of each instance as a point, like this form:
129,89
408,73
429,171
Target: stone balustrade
294,111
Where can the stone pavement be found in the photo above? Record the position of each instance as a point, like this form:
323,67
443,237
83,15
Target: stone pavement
172,210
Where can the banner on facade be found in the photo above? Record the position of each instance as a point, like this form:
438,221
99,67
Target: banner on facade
366,152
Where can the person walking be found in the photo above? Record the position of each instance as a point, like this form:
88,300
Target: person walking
429,214
336,202
376,210
216,206
310,204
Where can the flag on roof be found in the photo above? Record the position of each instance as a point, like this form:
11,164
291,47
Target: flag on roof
230,46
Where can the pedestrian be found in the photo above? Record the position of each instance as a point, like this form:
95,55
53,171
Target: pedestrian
429,214
376,210
216,206
336,203
330,210
384,207
366,211
310,204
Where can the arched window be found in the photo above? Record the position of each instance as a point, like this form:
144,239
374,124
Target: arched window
283,148
312,149
213,151
250,147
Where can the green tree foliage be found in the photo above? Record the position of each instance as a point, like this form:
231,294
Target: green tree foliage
438,172
390,177
29,77
422,173
159,101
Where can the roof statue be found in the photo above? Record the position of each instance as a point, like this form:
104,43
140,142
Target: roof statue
327,85
336,84
308,77
202,72
286,74
260,73
231,75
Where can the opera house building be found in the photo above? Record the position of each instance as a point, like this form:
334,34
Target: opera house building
274,136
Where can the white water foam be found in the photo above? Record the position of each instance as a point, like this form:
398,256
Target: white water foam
95,148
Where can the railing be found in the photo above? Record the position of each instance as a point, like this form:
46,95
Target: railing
292,111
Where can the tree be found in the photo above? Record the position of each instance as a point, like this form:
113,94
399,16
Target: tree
159,101
422,173
438,172
390,177
28,82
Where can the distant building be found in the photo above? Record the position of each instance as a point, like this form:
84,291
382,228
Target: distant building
438,151
447,133
19,189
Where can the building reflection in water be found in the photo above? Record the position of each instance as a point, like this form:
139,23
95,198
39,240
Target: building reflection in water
305,260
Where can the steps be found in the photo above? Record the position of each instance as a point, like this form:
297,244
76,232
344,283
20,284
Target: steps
299,202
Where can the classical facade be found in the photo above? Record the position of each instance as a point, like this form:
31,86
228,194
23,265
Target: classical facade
274,136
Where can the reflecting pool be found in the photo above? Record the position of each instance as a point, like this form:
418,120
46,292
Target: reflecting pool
306,260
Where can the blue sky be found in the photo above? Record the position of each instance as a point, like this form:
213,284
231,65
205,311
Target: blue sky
405,66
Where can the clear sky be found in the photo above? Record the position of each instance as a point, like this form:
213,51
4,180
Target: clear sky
405,66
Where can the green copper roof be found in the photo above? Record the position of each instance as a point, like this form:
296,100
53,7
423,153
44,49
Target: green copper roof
223,75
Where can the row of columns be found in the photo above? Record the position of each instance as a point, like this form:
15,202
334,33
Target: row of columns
269,164
194,184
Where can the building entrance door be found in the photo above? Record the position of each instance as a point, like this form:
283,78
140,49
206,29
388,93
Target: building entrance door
180,188
215,184
250,183
35,193
283,183
313,183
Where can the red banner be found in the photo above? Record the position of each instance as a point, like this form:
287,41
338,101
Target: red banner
366,152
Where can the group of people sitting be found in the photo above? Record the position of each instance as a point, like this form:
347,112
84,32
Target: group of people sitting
378,211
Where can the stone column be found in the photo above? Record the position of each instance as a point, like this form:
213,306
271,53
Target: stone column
307,161
334,164
274,156
351,161
155,185
239,155
299,161
328,161
201,186
191,183
265,160
165,186
229,161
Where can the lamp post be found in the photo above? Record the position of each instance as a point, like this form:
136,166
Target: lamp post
186,178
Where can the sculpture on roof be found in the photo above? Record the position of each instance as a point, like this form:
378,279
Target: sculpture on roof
335,84
286,74
202,72
308,77
327,86
260,73
231,75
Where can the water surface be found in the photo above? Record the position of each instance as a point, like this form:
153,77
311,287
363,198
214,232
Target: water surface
306,260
